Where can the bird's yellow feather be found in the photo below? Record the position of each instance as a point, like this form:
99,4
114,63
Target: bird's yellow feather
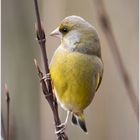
72,75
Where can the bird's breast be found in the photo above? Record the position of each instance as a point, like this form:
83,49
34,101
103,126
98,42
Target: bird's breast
73,76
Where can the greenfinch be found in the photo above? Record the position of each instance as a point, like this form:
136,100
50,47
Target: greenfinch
76,67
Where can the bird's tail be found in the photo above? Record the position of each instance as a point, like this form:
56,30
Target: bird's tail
79,119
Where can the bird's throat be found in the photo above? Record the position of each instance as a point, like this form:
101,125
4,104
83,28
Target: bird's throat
69,42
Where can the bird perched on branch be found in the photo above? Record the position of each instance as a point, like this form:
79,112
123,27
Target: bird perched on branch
76,67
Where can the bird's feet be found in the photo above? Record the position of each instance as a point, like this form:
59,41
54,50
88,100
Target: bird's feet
61,128
46,77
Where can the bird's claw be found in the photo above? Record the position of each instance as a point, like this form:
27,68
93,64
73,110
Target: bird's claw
61,129
46,77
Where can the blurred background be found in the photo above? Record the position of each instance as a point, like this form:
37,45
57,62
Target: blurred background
110,116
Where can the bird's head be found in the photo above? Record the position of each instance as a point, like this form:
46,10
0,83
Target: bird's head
75,30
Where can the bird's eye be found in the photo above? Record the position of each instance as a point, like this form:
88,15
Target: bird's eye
64,30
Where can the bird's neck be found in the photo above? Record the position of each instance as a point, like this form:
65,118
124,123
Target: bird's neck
86,45
70,42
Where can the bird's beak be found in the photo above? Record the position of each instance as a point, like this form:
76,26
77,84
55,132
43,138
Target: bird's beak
56,33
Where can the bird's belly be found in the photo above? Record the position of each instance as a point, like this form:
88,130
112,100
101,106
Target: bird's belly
73,79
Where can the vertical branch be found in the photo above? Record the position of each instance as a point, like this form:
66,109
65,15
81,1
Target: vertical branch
106,27
3,131
8,111
46,83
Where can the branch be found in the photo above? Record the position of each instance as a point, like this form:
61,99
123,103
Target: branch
46,83
3,131
8,111
106,27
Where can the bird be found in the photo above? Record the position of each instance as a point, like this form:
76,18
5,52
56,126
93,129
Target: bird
76,68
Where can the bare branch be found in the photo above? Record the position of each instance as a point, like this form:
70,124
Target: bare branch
3,131
46,82
106,27
8,111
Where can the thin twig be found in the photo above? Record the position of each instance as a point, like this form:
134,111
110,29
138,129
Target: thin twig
46,83
106,27
3,131
52,102
8,111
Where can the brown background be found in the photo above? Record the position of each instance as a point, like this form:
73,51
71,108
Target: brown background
110,116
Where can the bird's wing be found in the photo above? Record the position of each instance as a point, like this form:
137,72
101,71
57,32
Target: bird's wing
99,79
98,72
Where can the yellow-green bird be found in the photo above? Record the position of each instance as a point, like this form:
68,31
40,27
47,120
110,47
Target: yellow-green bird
76,67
